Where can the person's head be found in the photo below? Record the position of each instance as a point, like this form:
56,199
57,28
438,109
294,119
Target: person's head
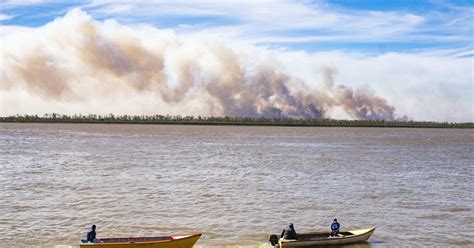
335,220
93,227
291,225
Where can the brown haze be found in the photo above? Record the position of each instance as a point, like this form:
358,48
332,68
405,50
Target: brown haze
77,59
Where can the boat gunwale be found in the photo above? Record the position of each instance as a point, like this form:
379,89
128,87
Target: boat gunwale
289,241
181,237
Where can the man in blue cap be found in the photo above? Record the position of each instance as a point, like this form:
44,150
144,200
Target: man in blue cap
335,228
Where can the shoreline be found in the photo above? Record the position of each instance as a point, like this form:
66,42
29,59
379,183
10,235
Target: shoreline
232,121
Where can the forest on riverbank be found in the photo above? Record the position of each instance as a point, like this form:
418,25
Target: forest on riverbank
226,120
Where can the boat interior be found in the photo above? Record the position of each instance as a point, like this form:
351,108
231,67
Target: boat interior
309,236
132,239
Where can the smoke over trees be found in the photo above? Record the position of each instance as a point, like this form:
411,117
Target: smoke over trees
111,67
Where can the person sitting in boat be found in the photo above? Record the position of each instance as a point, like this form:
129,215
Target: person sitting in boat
335,228
289,232
91,235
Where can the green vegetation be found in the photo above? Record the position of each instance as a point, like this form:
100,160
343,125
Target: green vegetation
199,120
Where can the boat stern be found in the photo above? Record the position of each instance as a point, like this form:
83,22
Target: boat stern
366,231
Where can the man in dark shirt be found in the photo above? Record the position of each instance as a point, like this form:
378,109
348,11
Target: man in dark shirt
289,232
91,235
335,228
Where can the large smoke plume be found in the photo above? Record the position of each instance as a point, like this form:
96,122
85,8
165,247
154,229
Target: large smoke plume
78,60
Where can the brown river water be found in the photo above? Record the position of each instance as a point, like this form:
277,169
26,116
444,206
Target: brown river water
235,184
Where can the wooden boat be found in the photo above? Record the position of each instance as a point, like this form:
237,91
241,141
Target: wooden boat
323,238
175,241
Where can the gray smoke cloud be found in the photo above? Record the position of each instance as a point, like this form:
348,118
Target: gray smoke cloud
78,60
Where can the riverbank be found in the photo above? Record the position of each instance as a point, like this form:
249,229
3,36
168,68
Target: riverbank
233,121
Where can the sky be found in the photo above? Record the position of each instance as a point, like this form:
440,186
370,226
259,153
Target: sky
301,59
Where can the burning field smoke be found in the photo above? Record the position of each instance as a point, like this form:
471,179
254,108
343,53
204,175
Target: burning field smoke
76,64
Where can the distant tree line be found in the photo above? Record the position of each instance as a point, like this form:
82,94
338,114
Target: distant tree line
227,120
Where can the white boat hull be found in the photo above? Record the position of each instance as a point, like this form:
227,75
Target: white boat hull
319,240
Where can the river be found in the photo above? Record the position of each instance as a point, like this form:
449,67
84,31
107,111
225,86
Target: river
236,184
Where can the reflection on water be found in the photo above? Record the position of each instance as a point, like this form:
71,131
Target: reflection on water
235,184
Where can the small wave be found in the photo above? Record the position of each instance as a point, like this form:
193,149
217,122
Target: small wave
372,196
433,216
255,235
162,228
243,245
458,209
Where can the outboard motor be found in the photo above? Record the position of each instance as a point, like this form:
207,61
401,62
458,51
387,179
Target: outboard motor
273,239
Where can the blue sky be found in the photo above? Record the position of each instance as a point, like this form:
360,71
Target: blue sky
357,26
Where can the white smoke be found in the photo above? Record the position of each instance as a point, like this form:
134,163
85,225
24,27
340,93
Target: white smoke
76,64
